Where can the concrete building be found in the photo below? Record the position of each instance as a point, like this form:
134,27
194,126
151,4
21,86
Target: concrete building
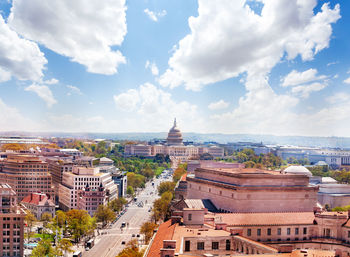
194,164
252,190
197,232
11,223
38,204
73,182
122,181
25,174
90,199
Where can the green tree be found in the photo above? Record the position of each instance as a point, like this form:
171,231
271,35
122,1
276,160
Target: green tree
104,214
130,191
117,204
44,249
30,220
64,246
147,229
79,223
178,173
161,206
166,186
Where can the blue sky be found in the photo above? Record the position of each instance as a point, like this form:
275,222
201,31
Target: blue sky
262,67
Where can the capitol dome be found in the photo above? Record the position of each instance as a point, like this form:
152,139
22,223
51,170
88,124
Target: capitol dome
174,135
297,170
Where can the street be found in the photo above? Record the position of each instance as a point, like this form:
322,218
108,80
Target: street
109,242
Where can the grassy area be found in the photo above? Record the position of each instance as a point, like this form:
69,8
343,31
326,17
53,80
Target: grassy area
44,236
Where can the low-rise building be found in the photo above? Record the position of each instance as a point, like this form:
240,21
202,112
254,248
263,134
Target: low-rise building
90,199
38,204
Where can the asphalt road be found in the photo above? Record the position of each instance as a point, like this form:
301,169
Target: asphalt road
109,243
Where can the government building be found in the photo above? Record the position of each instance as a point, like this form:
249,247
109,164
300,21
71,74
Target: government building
173,147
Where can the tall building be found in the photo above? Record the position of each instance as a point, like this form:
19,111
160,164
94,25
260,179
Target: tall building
79,179
90,199
26,174
174,135
11,223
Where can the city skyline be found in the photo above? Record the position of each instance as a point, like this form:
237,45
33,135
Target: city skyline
256,67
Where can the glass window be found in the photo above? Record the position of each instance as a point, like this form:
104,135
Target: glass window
187,246
215,245
279,231
269,231
297,231
249,232
305,231
258,232
200,245
288,231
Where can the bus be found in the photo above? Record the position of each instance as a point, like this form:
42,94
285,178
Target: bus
77,254
90,243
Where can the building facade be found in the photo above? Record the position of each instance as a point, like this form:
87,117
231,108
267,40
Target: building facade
25,174
11,223
38,204
90,199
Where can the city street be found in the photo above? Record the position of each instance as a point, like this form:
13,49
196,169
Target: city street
111,240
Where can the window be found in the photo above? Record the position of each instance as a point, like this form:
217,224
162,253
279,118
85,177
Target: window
269,231
228,245
200,245
305,231
348,233
190,216
249,232
279,231
220,192
288,231
297,231
258,232
187,246
215,245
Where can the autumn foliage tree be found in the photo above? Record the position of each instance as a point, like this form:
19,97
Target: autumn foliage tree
147,229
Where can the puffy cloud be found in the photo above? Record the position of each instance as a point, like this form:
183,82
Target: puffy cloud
295,78
85,31
19,57
221,104
338,98
127,101
154,16
12,120
44,92
153,67
52,81
305,90
347,81
215,50
73,89
154,108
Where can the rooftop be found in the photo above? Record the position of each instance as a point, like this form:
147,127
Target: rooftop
165,232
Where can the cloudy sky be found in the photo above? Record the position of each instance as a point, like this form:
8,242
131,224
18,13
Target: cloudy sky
263,67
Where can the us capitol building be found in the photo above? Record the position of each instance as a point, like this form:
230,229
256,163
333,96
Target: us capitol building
173,147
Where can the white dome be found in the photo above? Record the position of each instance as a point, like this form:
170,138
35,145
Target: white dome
298,170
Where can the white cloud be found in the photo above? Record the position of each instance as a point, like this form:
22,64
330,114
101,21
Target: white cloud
338,98
43,92
154,108
215,50
154,16
127,101
347,81
52,81
221,104
305,90
295,78
12,120
153,67
85,31
19,57
73,89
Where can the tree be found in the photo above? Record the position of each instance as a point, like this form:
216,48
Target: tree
30,220
131,250
64,246
104,214
117,204
44,249
130,191
178,173
161,206
147,229
79,223
166,186
46,218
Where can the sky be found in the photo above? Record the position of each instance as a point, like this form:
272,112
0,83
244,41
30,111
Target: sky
257,67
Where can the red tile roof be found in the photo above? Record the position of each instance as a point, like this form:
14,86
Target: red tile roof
274,218
37,199
165,232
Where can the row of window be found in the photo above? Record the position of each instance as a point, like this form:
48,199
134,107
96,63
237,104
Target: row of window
200,245
9,218
8,226
7,233
279,231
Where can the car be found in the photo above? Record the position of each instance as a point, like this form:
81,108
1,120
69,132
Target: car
87,248
123,242
138,235
133,235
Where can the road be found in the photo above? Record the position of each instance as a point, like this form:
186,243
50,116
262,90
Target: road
109,243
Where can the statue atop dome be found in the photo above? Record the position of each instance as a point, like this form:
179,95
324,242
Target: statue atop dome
174,135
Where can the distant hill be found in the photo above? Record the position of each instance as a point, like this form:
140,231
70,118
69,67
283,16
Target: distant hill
331,142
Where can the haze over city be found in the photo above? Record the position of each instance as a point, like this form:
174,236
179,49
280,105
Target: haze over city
256,67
